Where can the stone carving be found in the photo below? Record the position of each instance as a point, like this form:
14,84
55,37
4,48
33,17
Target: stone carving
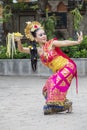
55,3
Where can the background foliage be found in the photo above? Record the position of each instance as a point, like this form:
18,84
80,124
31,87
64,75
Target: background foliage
18,55
77,51
49,24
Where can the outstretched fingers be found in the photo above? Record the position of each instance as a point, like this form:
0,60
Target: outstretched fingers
80,36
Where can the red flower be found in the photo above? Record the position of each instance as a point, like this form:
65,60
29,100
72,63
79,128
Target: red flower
35,26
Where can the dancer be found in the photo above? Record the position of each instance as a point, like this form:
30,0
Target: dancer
64,69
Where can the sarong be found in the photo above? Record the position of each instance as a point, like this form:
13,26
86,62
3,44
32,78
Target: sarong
57,85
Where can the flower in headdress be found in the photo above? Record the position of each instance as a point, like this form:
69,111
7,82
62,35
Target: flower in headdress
31,27
28,22
35,27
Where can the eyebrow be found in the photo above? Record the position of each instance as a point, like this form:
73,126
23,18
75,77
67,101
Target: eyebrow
42,33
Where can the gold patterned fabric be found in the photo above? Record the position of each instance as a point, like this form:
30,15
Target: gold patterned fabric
57,63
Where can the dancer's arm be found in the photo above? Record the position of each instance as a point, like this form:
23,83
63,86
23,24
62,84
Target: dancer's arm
21,48
57,43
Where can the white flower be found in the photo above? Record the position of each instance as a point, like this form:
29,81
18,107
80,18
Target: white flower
28,22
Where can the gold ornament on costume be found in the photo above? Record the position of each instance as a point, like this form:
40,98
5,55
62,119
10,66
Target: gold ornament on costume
31,27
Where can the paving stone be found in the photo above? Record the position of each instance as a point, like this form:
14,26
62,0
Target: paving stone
21,105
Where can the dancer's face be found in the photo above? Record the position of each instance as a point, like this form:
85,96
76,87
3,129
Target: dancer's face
41,36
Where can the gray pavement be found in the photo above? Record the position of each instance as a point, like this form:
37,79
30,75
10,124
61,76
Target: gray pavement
21,105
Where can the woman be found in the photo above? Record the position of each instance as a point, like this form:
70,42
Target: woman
57,85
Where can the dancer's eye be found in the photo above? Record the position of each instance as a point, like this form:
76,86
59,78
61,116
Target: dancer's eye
42,34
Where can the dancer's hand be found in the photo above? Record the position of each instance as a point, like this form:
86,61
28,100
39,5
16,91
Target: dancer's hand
17,38
80,37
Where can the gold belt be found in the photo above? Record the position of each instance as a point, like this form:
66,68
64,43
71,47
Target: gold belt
57,63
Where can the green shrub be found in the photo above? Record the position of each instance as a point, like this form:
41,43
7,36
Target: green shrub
3,52
83,45
18,54
71,51
77,51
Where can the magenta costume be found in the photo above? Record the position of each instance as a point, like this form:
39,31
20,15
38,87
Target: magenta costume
57,85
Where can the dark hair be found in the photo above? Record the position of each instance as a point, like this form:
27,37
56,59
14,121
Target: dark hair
34,33
33,52
33,55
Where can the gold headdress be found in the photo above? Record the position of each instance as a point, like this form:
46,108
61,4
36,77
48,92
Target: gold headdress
31,27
